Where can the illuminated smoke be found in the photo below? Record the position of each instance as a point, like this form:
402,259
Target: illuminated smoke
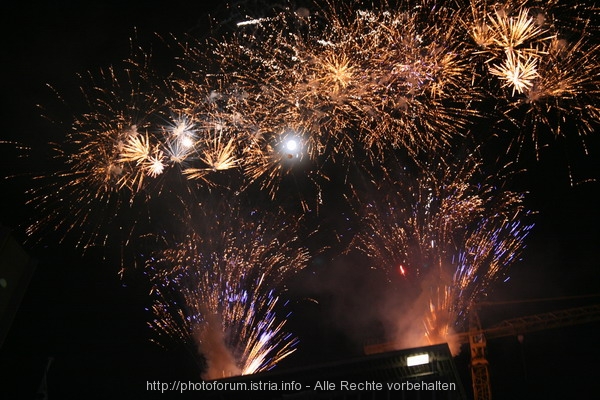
220,363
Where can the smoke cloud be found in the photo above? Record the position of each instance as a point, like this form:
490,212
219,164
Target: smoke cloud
425,319
370,307
210,338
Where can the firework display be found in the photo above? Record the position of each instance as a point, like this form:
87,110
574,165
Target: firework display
216,289
447,227
289,107
548,66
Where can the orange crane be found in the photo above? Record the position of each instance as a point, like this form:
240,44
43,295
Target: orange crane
477,338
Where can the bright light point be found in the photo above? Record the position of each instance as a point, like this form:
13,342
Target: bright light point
187,142
402,270
178,130
156,167
291,145
420,359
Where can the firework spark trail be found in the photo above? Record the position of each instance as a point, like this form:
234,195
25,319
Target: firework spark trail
219,284
448,229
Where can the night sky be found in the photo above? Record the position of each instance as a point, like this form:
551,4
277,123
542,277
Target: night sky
78,312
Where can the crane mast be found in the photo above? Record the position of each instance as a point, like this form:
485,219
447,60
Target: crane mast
480,374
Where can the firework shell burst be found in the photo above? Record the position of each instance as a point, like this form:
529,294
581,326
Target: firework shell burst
378,79
216,289
545,54
564,92
101,177
339,81
450,230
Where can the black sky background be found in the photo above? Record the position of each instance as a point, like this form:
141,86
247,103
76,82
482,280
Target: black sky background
93,325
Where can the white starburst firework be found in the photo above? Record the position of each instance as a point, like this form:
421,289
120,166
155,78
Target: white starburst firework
516,71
